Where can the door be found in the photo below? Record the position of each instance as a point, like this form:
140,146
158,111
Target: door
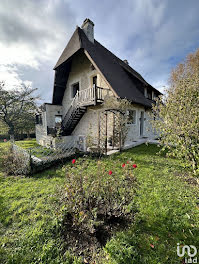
75,89
95,81
141,123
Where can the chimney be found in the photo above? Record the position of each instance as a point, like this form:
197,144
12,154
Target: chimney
126,62
88,28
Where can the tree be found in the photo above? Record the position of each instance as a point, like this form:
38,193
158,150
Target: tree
178,116
17,108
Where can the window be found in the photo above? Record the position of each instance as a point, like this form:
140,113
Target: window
145,92
39,119
75,88
149,94
58,120
131,117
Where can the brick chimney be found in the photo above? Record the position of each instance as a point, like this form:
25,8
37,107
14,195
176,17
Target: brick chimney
88,28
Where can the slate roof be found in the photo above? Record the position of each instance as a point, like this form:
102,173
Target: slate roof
122,78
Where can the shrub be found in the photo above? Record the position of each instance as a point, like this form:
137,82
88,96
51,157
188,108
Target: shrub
98,201
178,120
15,163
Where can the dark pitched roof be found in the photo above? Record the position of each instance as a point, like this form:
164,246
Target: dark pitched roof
121,77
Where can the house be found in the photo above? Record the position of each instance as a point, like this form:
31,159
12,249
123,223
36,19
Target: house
86,75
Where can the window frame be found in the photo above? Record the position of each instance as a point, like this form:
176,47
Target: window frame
58,123
134,119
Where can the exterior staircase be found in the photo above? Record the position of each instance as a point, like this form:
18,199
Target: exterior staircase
80,102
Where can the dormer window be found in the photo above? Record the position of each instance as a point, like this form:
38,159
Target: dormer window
145,92
149,94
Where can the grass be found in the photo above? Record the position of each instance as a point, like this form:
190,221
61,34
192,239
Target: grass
27,144
36,149
166,204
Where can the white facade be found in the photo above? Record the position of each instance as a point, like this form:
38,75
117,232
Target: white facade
83,73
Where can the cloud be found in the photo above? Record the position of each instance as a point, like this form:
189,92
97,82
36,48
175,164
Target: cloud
153,35
32,34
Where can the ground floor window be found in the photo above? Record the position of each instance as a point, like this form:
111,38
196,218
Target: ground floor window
39,119
131,117
58,120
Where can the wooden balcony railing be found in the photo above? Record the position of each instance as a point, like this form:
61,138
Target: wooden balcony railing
86,97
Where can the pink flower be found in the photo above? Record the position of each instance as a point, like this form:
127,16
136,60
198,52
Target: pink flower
134,166
5,140
152,246
110,172
127,162
123,165
73,161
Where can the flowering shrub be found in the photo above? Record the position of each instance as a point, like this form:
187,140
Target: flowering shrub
97,200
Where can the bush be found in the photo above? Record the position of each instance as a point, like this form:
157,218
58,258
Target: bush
15,163
97,203
178,121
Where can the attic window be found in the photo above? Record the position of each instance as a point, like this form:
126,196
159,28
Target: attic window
149,94
131,115
145,92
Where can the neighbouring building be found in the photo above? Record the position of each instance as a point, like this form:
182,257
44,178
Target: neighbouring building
86,75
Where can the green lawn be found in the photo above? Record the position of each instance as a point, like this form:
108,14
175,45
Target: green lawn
36,149
166,205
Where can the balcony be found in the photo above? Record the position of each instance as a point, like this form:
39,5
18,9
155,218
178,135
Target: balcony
79,104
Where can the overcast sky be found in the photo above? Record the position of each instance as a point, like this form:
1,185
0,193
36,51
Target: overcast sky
154,35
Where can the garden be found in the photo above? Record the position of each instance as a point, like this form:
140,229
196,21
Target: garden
131,207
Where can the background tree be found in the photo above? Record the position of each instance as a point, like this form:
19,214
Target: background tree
3,128
178,116
17,108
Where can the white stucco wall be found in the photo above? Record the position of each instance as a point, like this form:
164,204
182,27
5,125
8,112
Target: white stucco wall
51,112
48,120
81,72
134,129
89,124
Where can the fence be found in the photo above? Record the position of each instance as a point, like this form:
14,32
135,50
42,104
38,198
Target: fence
39,158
